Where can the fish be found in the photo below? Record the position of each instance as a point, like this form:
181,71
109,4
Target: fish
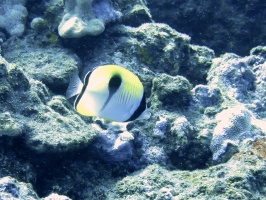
111,92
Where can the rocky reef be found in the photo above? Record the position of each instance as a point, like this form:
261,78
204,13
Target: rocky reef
225,26
206,137
13,15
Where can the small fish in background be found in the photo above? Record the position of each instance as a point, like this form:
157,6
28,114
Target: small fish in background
110,92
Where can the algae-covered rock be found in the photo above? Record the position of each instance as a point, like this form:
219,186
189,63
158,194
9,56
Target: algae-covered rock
17,80
135,14
234,76
114,144
206,98
202,108
171,92
10,126
211,23
53,12
47,121
242,85
46,135
240,79
259,51
152,47
180,134
38,23
5,87
217,181
53,66
157,45
11,164
13,189
198,64
185,149
13,16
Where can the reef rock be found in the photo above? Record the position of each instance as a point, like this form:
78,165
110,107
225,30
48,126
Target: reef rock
205,138
12,189
13,14
30,109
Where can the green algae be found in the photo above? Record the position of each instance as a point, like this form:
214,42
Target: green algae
146,56
9,126
17,79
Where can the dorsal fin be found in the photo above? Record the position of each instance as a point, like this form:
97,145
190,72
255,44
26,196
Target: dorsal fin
74,87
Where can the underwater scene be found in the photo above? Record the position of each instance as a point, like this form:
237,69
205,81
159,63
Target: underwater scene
132,100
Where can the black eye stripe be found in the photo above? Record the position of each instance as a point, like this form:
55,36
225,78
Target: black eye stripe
86,81
140,109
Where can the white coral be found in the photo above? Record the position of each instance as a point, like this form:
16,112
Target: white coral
233,126
79,20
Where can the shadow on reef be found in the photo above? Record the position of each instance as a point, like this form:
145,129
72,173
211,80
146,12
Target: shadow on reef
224,26
56,172
191,157
82,46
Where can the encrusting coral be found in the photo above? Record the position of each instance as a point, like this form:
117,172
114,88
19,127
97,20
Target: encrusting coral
15,14
234,126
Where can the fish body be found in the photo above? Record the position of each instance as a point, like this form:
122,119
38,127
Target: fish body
111,92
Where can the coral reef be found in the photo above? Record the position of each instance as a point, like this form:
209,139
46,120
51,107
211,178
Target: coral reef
205,138
171,92
219,182
52,66
13,16
240,79
211,23
206,96
114,144
12,189
33,107
234,125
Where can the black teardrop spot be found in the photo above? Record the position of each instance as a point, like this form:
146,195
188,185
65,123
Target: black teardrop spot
113,86
114,83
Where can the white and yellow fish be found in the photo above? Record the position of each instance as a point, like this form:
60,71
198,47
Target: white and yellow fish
111,92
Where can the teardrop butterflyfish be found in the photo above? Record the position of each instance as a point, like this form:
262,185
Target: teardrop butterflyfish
110,92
